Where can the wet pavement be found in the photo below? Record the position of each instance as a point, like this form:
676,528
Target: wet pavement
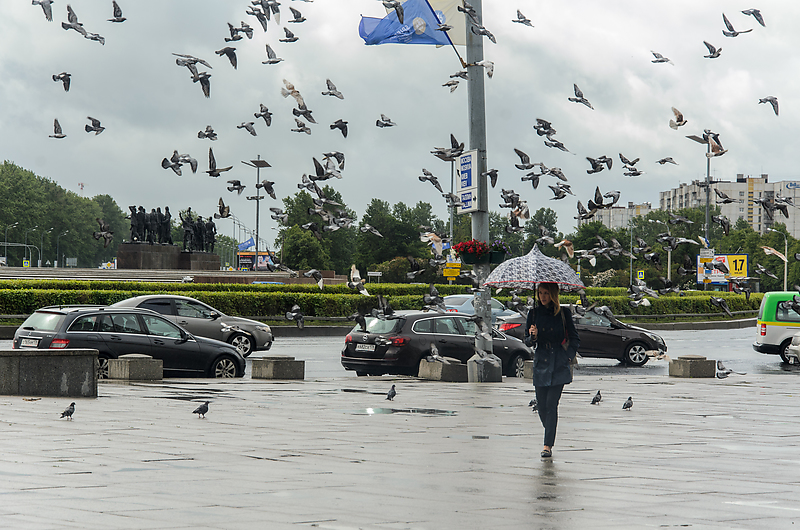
331,452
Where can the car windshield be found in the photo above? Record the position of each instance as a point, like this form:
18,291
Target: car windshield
593,319
42,321
376,325
456,300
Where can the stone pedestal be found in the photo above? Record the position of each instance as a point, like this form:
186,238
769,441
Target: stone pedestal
145,256
57,373
483,372
692,366
136,367
455,372
198,261
278,367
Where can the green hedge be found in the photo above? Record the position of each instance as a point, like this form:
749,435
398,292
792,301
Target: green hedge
328,304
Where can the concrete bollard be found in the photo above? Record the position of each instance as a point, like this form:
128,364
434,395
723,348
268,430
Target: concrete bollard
455,372
692,366
483,372
527,370
136,367
278,367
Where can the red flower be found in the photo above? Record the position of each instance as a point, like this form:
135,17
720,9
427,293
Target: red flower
478,248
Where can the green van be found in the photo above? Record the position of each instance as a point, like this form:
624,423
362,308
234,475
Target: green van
776,324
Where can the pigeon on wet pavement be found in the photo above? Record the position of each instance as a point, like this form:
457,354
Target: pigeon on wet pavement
201,410
69,411
628,404
597,398
391,393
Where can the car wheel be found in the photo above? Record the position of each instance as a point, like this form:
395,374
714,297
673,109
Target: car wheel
102,367
516,367
243,343
224,367
636,354
784,349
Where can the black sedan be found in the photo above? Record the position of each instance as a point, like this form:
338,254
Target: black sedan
115,332
396,346
601,337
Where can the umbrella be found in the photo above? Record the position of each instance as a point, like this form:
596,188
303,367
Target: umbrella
527,271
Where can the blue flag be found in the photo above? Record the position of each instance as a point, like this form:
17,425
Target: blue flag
418,27
247,244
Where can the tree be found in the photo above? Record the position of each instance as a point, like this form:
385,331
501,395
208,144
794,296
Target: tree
302,250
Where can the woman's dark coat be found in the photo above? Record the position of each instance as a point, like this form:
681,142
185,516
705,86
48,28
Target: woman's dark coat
551,359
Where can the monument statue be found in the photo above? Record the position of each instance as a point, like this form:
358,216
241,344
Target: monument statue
166,226
188,229
211,234
134,224
199,234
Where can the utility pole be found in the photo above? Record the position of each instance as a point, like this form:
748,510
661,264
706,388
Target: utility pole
258,164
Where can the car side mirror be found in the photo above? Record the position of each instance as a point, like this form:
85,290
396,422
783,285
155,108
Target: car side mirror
184,338
214,315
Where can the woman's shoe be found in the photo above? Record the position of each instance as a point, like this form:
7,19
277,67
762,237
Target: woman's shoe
547,453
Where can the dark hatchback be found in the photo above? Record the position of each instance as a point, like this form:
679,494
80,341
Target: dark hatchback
396,346
601,337
115,332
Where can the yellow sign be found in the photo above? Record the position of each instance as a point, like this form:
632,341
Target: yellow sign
737,264
451,272
452,265
26,263
640,275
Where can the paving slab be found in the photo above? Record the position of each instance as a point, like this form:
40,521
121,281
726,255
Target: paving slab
333,453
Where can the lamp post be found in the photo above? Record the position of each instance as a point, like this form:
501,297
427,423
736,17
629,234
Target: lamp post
41,245
785,254
5,243
707,138
56,263
258,164
26,240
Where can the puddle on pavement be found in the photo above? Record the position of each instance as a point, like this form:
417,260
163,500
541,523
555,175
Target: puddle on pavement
425,412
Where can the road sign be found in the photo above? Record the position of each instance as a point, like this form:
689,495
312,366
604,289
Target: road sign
452,265
706,252
640,275
735,263
26,263
374,273
450,272
467,182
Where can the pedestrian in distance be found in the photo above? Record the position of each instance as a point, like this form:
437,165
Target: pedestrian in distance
550,330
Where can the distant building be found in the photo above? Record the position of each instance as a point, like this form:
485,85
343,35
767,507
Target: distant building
743,191
618,216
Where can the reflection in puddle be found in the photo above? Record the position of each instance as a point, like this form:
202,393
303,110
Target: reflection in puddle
425,412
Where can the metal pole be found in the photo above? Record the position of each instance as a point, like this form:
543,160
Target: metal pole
258,206
477,126
786,255
708,189
452,208
630,224
5,245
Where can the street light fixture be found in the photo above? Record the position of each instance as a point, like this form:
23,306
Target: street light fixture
26,241
785,254
5,244
41,245
706,139
58,259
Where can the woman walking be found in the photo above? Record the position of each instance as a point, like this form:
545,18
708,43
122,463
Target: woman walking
550,329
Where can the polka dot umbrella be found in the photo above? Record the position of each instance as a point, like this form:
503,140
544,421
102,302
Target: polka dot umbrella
534,268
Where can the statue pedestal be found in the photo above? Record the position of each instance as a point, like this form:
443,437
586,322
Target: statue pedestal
145,256
198,261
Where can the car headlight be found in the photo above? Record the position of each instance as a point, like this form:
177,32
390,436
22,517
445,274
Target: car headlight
655,338
263,329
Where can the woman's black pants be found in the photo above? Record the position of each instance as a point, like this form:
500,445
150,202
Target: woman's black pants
547,403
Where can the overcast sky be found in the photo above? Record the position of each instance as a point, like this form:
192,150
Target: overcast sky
150,106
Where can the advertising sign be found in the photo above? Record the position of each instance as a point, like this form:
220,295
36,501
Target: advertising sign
736,265
467,182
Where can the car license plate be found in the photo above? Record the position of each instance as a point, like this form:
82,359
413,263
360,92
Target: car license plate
29,343
365,347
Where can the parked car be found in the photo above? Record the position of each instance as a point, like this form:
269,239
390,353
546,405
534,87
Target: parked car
203,320
396,346
462,303
601,337
119,331
776,324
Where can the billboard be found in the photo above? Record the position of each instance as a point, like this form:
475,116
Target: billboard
735,263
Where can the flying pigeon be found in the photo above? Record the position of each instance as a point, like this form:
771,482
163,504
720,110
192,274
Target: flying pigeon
201,410
772,100
579,97
297,315
208,133
713,52
731,32
666,160
117,13
332,91
384,122
105,232
290,37
264,113
69,411
230,53
72,21
64,77
316,275
48,10
94,127
678,121
57,130
212,167
267,185
755,12
224,211
660,58
341,125
271,57
298,17
522,19
248,126
369,228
